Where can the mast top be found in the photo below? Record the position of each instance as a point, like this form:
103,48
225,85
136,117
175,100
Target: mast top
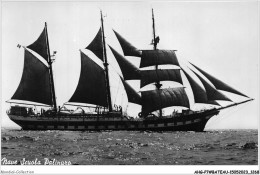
156,39
101,14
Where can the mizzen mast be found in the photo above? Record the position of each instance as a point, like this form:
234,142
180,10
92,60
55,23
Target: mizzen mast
50,70
106,65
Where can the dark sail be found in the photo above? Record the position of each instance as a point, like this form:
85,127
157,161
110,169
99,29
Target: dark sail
35,82
212,92
162,98
91,87
96,45
151,76
130,72
158,57
219,84
200,95
132,95
40,45
128,49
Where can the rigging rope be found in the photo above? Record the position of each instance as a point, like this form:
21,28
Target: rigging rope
225,113
117,90
238,108
114,69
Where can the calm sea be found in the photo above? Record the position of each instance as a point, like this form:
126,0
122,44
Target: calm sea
226,147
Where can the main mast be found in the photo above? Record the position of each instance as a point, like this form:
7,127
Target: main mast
50,70
106,66
155,42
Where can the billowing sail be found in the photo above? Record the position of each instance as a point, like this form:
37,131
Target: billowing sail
128,49
162,98
199,93
212,92
151,76
219,84
40,45
129,71
132,95
158,57
91,87
96,45
35,83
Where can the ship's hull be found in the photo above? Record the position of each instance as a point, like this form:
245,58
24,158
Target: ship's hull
189,122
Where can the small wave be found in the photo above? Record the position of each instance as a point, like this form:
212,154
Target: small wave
143,144
15,138
228,145
5,138
4,147
248,145
203,146
134,145
173,147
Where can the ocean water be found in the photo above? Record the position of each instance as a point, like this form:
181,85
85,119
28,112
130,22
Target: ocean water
227,147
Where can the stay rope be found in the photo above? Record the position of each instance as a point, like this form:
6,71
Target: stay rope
117,90
226,114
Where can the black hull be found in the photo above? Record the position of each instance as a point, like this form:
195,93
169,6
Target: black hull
190,122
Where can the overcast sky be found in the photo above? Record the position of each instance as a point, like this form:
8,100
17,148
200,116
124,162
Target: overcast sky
219,37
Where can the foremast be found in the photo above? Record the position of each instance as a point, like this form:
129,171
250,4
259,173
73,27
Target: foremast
50,70
205,87
109,102
155,42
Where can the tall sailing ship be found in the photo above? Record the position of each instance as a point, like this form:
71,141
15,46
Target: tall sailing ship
36,90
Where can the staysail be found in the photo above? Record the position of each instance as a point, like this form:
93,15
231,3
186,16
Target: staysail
35,83
132,95
212,92
91,86
219,84
199,93
129,71
128,49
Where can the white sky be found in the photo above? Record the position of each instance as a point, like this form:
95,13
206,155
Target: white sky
219,37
